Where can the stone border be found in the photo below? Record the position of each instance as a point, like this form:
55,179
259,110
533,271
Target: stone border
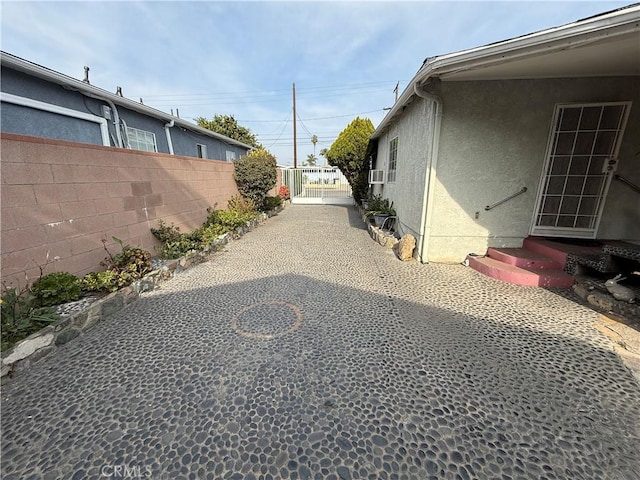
40,344
377,234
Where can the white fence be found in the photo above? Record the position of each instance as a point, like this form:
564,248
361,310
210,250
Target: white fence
317,185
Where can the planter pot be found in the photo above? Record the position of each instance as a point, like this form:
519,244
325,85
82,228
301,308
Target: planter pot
380,219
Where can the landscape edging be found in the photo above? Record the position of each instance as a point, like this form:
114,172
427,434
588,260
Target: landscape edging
40,344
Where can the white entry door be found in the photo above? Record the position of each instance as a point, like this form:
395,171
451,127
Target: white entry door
581,159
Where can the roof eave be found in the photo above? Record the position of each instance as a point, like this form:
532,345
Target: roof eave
571,35
25,66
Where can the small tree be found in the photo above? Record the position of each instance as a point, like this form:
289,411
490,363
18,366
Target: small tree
350,153
255,174
228,126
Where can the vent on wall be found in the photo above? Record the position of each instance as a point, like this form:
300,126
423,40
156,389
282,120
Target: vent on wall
376,177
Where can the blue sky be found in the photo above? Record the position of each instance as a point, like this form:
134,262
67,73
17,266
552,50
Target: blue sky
241,58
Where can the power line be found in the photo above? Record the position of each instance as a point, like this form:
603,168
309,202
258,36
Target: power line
284,92
311,119
286,122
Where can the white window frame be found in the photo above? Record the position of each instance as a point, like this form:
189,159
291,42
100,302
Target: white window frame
376,177
393,160
231,155
67,112
201,150
141,140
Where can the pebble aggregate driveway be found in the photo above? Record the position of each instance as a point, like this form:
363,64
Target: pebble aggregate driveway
307,351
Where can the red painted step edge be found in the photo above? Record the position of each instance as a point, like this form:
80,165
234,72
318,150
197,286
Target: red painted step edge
520,276
523,258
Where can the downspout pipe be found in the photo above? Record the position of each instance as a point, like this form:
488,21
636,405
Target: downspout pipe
430,172
167,126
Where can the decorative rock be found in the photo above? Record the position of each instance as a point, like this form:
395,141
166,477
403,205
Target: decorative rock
405,247
27,347
379,440
344,473
66,335
601,301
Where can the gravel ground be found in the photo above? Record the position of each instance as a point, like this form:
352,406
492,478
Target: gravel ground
307,351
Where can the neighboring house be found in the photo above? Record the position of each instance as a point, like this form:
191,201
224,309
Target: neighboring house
40,102
556,112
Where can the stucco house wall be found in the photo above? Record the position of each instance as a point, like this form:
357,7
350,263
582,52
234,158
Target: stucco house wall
25,120
493,142
414,131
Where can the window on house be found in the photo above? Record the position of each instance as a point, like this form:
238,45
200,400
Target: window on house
231,156
202,150
141,140
393,159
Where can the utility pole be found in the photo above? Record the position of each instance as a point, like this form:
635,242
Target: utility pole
295,154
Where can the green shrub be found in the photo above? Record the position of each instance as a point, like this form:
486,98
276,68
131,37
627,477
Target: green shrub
21,316
56,288
255,174
131,259
108,280
204,235
240,204
229,220
272,202
378,205
122,269
166,233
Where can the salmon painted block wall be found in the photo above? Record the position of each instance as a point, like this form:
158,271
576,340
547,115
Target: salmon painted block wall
60,199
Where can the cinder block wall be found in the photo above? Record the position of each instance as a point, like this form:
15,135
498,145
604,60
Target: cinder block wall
60,199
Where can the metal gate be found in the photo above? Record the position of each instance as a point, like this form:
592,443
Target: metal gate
317,185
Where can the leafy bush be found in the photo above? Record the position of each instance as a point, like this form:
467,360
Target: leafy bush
122,269
56,288
350,152
131,259
21,316
166,233
272,202
108,280
229,220
255,174
240,204
378,205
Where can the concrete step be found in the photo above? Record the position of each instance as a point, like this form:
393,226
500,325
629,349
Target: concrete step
557,251
521,276
524,258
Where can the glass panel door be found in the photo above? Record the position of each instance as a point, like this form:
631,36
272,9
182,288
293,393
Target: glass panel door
581,161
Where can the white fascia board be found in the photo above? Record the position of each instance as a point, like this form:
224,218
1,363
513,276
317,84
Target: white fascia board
67,112
39,71
571,35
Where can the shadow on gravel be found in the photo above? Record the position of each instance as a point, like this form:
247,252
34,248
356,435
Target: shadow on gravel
290,377
355,220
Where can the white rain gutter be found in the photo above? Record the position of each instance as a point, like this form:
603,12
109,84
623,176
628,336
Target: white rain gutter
48,107
167,126
430,172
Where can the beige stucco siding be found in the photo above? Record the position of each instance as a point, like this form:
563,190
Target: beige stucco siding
493,142
414,131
